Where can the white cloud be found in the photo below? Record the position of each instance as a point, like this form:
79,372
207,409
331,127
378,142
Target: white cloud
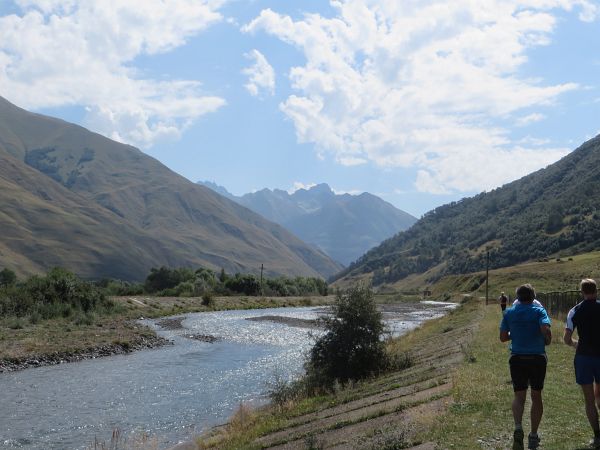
529,119
299,185
529,141
66,52
421,83
261,75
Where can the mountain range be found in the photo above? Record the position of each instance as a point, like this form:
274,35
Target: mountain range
76,199
344,226
553,212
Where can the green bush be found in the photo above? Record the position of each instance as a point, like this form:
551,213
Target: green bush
183,282
35,317
16,324
352,347
120,288
208,299
58,294
164,278
7,277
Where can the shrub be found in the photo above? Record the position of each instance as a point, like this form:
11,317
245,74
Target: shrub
352,347
121,288
35,318
185,289
208,299
58,294
282,391
164,278
16,324
7,277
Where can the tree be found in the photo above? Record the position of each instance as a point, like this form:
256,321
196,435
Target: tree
352,347
222,276
555,219
160,279
7,277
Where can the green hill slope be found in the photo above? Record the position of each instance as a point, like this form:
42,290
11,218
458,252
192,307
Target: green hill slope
167,218
555,210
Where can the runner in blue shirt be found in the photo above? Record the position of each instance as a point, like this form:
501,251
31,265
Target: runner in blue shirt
585,317
527,325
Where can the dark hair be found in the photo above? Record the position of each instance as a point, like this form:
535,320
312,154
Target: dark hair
526,293
588,286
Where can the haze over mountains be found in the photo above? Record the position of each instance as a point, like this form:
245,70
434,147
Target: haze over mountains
552,212
343,226
76,199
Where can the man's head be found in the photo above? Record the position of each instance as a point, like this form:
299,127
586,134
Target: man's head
525,293
588,288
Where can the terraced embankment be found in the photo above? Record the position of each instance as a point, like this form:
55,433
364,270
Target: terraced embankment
389,412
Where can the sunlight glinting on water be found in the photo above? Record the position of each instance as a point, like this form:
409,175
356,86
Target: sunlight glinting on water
172,392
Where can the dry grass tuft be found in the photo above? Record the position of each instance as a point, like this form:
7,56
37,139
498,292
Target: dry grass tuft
119,441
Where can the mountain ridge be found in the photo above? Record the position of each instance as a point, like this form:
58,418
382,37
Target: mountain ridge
344,226
188,224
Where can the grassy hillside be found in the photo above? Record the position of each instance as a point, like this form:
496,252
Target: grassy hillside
553,211
557,274
44,225
128,194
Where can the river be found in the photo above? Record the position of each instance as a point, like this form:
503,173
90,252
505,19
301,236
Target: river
172,392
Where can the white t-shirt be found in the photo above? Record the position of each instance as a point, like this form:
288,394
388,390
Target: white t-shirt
535,302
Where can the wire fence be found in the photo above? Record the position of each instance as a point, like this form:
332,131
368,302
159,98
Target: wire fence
558,304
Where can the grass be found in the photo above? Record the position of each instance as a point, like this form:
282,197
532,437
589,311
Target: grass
63,335
481,416
546,276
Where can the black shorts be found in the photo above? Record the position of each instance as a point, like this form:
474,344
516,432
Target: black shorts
528,370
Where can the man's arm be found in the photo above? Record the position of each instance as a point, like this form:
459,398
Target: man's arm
568,338
547,333
569,328
504,330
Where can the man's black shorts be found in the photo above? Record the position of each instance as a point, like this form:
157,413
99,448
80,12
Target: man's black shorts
528,370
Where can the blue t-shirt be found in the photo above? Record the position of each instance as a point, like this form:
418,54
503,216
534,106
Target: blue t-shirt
524,322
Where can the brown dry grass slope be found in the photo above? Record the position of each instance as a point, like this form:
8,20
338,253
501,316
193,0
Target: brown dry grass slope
196,225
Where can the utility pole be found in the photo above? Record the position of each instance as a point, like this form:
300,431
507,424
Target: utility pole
262,266
487,277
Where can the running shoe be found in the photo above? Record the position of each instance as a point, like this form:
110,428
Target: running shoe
533,441
518,437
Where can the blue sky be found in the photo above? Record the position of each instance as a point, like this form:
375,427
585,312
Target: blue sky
420,102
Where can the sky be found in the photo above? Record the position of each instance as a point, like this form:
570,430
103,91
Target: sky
421,102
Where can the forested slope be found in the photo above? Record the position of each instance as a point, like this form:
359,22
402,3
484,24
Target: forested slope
551,211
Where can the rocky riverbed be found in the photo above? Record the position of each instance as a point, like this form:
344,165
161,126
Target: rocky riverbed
117,348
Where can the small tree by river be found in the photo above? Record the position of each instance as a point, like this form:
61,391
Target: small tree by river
352,347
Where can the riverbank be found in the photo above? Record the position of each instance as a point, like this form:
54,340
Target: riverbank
456,394
98,351
395,410
24,345
480,417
